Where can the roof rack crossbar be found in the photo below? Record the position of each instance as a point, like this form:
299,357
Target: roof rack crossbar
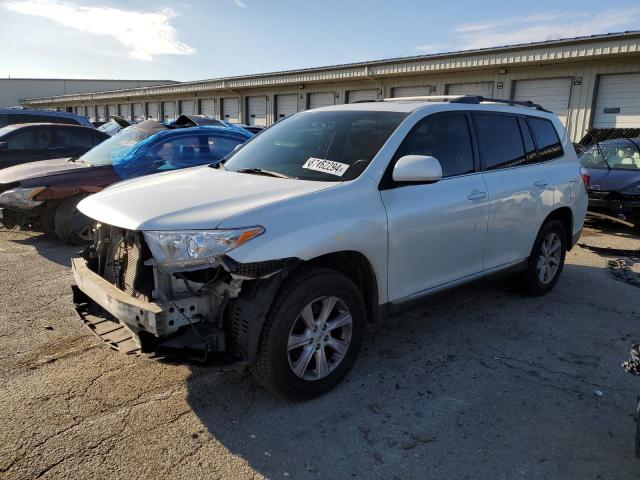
469,99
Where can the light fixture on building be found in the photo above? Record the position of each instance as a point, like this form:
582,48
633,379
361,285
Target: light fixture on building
502,71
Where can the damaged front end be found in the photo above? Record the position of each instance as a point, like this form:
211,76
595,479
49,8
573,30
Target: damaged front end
136,306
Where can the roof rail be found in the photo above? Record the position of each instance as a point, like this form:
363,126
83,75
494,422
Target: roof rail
471,99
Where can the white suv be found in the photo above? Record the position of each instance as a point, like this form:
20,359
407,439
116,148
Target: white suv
280,256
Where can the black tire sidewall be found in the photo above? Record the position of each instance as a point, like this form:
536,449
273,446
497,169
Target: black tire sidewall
63,218
534,285
283,315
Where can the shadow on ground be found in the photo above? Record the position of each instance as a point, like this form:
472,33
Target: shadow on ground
480,383
50,247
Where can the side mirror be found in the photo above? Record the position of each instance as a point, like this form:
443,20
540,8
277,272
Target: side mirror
4,146
417,168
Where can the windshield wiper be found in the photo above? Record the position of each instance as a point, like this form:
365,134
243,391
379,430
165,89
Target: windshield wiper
261,171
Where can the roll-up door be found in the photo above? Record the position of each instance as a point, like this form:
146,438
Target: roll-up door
187,107
138,112
152,111
618,101
101,113
91,113
552,93
168,111
484,89
354,96
208,107
286,105
422,91
80,110
123,108
257,111
112,110
317,100
230,110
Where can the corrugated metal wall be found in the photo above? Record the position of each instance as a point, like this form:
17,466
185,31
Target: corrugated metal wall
583,76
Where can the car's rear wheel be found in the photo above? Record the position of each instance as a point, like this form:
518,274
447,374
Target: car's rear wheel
312,335
547,259
71,225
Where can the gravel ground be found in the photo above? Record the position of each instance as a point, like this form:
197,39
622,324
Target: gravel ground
480,383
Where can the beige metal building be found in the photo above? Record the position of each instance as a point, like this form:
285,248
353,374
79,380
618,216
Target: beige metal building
587,81
14,90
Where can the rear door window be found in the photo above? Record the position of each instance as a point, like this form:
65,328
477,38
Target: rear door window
499,141
73,137
445,137
30,138
549,146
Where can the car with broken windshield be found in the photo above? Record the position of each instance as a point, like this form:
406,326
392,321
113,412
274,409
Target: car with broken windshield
278,257
614,178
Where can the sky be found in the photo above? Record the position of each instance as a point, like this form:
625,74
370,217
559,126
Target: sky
199,39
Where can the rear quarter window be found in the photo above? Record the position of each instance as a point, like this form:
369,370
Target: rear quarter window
546,137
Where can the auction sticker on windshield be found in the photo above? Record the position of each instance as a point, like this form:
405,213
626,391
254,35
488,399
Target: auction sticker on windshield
326,166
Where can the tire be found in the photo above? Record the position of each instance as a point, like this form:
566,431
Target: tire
47,221
530,281
71,226
307,294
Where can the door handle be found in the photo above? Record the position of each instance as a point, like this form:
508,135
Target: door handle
475,195
541,184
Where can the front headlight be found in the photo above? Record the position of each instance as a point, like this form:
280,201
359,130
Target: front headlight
21,197
632,190
192,250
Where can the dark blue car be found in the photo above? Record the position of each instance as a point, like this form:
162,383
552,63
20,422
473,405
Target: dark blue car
614,184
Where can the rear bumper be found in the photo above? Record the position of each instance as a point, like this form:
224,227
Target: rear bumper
615,207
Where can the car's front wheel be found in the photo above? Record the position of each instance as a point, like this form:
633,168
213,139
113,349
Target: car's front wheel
71,225
546,260
312,335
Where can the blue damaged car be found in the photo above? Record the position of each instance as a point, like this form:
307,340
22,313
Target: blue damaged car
44,194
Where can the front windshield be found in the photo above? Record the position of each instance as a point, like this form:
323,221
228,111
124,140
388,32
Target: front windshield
330,146
619,155
116,146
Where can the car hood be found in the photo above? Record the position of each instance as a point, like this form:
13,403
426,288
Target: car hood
193,198
612,180
38,169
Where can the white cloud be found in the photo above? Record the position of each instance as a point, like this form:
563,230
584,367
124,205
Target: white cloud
544,26
237,3
145,34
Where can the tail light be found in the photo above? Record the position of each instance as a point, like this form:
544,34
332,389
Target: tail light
586,176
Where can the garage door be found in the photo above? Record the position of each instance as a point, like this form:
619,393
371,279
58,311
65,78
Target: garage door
112,110
101,113
152,111
123,108
286,105
257,111
208,107
553,94
138,112
354,96
187,107
79,110
230,110
168,111
618,101
317,100
91,113
484,89
423,91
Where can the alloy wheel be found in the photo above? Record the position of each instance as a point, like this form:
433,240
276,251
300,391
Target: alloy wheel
319,338
549,258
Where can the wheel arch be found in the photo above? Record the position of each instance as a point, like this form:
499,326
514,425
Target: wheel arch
565,216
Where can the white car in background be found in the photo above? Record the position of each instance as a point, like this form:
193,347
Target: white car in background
325,222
